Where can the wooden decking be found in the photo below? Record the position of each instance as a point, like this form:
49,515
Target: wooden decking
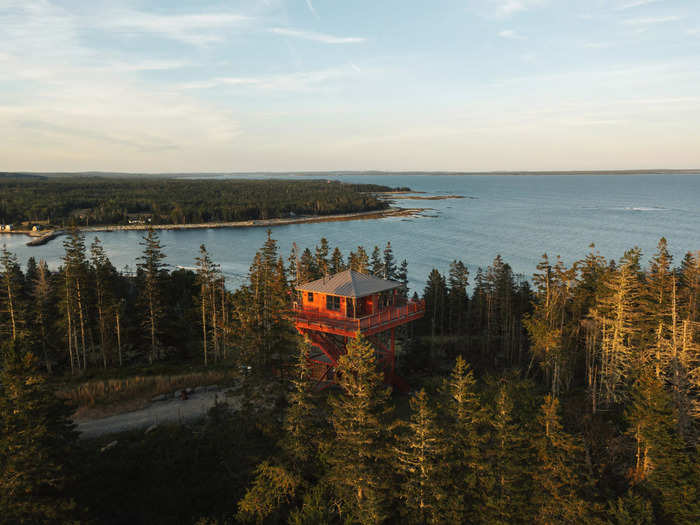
369,325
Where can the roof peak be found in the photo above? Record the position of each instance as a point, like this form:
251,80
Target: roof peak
349,283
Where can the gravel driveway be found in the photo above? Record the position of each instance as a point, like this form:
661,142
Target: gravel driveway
169,410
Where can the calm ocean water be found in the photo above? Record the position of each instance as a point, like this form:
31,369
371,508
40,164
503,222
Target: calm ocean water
519,217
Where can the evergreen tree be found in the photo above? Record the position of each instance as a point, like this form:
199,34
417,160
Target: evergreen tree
41,295
357,452
208,277
420,459
322,262
435,296
337,262
279,480
505,487
632,509
300,419
308,269
557,479
377,264
359,261
548,324
10,293
657,309
402,277
36,441
457,298
462,416
293,266
104,298
267,303
615,314
150,271
690,287
662,467
75,269
389,263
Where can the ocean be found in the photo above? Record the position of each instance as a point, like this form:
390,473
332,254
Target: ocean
519,217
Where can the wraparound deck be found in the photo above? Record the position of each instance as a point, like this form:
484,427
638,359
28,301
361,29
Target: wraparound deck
387,319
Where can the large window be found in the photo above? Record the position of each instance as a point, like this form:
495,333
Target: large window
332,302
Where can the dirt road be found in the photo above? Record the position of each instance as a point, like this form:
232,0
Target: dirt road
170,410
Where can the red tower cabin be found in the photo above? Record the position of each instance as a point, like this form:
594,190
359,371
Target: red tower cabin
335,308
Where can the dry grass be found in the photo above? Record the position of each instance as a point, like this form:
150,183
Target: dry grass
110,391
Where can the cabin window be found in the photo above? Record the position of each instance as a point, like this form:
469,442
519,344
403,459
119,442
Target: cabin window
332,302
310,297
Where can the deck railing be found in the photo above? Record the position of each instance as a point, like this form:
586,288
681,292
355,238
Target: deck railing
408,311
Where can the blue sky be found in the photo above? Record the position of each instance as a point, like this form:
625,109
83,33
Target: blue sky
349,85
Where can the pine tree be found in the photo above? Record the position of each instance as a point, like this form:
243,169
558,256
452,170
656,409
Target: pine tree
631,509
557,478
41,295
402,277
690,287
293,266
308,270
457,298
75,269
208,276
657,309
661,465
435,296
615,315
104,277
389,263
322,252
300,424
505,488
357,454
267,303
10,293
279,480
462,416
150,269
359,261
419,458
36,441
376,264
548,323
337,262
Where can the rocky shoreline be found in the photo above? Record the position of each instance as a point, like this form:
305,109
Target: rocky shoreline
366,215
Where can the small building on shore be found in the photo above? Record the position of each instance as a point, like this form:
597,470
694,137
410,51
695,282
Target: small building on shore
6,227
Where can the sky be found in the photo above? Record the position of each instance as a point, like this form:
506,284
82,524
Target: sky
292,85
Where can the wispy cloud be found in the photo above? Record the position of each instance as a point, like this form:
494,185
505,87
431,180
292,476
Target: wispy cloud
510,34
298,81
510,7
312,9
651,20
596,45
197,28
636,3
317,37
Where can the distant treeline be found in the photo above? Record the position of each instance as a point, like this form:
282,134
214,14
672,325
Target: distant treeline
82,201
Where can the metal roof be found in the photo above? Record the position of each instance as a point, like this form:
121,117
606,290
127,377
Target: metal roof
349,284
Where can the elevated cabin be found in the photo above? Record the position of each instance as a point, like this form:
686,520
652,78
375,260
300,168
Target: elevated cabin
332,309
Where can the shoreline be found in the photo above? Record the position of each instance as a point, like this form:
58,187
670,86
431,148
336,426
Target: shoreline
362,215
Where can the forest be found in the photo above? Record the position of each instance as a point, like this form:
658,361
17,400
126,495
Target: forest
568,396
85,201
